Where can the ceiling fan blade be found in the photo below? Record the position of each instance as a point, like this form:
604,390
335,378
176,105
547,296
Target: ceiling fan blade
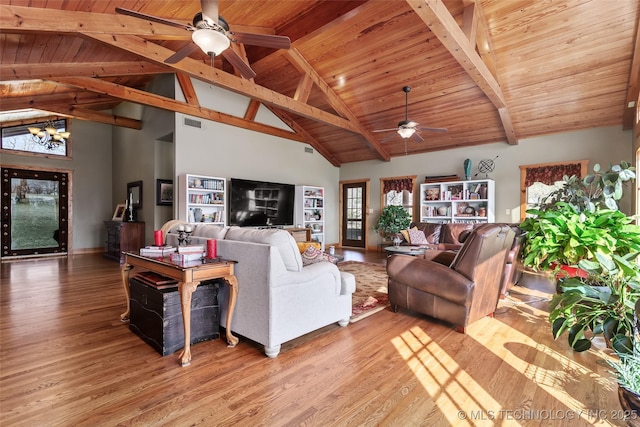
152,18
238,63
387,138
210,10
441,130
417,137
385,130
182,53
266,40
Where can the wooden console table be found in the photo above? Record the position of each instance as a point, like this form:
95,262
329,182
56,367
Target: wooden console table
188,277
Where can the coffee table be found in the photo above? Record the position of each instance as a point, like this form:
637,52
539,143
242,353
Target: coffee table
405,250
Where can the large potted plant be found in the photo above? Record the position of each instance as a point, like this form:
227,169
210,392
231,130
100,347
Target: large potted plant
581,226
392,220
579,220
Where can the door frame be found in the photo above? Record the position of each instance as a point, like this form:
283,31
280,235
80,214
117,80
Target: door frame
367,183
69,173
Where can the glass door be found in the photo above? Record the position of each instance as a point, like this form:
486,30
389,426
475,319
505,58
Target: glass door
354,220
34,212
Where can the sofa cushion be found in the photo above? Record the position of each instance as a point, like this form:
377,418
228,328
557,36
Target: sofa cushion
210,231
451,231
281,239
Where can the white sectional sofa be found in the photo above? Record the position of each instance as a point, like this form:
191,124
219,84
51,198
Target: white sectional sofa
279,299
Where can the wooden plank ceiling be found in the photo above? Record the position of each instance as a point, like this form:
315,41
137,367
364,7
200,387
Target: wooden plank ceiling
488,71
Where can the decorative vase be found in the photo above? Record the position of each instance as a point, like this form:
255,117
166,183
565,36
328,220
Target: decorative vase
467,169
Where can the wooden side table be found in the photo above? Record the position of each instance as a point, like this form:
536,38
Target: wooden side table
189,277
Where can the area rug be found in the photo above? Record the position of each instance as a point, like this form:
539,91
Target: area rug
371,295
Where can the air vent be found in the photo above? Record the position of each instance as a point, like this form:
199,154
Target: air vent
308,150
192,123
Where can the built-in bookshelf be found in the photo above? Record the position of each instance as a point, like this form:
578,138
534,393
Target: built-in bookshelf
458,201
202,199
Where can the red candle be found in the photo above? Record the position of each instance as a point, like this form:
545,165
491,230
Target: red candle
212,248
157,235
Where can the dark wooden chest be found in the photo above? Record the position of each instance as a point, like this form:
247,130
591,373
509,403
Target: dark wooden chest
156,315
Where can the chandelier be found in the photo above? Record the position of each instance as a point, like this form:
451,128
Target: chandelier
49,136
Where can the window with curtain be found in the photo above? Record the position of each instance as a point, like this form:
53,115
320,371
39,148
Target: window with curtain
538,181
398,191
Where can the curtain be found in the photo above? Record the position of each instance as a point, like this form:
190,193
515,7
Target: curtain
550,174
398,185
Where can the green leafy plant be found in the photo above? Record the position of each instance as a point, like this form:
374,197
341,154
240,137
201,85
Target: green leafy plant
562,234
599,190
627,370
392,220
602,303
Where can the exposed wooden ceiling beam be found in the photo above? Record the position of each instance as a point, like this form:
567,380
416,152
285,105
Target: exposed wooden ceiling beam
87,69
41,20
188,90
437,17
633,89
94,116
145,98
222,79
308,137
335,101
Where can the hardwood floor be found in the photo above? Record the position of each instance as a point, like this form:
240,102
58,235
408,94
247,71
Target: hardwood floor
67,360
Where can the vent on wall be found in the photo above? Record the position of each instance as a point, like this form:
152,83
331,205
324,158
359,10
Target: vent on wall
308,150
192,123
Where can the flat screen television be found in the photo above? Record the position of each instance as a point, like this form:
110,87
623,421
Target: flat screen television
260,203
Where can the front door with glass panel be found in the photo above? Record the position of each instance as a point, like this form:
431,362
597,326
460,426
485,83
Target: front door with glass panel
354,224
34,212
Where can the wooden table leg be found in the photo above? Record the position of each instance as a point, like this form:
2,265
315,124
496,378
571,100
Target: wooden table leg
233,295
125,282
186,290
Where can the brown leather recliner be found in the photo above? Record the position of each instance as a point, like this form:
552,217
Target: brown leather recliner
460,293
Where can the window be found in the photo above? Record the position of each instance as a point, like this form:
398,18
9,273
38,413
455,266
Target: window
398,191
19,138
538,181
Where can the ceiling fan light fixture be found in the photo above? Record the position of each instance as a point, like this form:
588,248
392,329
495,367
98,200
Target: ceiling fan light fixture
406,132
211,42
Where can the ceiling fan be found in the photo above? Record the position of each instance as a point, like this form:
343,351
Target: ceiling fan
406,128
212,35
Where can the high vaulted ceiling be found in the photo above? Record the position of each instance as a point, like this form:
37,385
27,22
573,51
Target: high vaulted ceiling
488,71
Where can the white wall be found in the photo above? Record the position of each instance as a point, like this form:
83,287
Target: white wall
226,151
145,155
90,167
599,145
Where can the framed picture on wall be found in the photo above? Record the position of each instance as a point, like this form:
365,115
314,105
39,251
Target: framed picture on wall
118,214
164,192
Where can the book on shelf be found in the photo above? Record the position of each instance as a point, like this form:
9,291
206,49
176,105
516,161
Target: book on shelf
157,251
191,249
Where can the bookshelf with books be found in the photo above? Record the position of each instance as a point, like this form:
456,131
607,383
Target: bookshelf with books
309,211
202,199
458,201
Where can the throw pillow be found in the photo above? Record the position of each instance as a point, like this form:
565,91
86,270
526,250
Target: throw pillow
405,234
304,245
417,237
312,255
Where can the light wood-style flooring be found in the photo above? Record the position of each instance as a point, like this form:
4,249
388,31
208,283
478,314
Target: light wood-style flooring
67,360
